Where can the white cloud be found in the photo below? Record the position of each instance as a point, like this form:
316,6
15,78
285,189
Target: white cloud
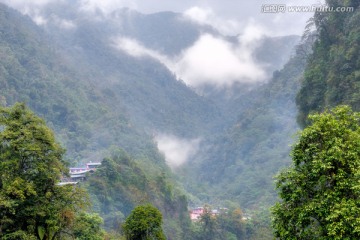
215,61
59,22
199,15
177,151
18,3
26,7
252,32
63,23
39,20
34,10
107,6
210,60
134,48
67,24
206,16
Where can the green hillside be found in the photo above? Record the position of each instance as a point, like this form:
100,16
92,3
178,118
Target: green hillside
83,117
240,163
332,74
152,96
99,100
121,184
32,71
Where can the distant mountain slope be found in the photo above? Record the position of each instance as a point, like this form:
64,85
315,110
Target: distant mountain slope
32,72
240,163
167,32
88,124
35,71
96,96
274,52
150,93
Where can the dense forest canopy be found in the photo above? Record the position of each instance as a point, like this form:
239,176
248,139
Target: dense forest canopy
319,192
134,114
332,73
32,204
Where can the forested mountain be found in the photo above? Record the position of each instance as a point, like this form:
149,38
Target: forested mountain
332,74
99,99
320,75
151,93
121,184
327,149
34,72
239,164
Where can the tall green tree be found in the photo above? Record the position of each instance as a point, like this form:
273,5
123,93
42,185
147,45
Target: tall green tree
321,192
32,205
144,223
209,225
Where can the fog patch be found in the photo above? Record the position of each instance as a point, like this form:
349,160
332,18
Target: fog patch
206,16
64,23
55,21
177,151
209,61
31,8
106,7
25,6
218,62
136,49
39,20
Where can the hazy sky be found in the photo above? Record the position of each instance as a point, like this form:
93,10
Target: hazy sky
240,12
230,15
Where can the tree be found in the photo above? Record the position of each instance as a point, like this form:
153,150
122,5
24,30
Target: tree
331,76
32,205
231,221
87,227
321,191
144,223
209,225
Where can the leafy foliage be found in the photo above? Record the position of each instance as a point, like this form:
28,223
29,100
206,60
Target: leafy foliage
144,223
320,192
87,120
226,224
88,227
332,73
120,184
95,98
32,205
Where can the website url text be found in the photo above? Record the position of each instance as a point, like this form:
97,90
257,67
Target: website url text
283,8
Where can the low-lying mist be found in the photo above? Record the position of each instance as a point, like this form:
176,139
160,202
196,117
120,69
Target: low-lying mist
177,151
211,60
